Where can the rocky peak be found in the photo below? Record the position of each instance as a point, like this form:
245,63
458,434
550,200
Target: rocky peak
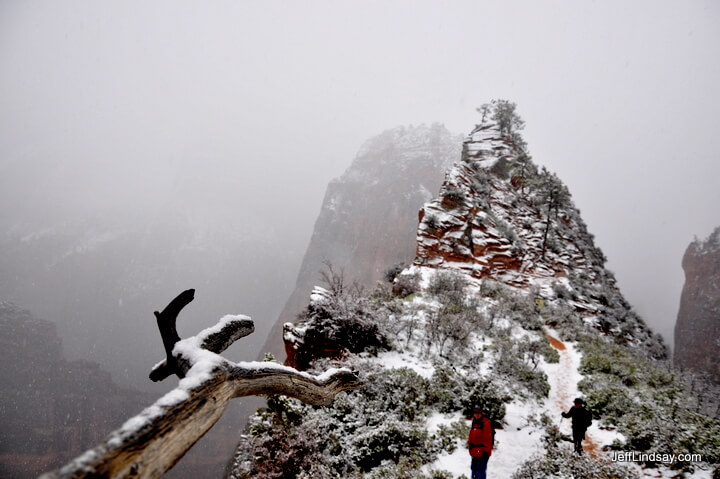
500,217
697,330
494,220
368,219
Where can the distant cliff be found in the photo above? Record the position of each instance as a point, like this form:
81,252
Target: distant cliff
697,330
368,219
51,409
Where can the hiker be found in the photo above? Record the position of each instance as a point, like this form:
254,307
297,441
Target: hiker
581,420
480,443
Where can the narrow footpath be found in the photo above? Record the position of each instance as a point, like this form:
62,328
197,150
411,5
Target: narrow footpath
563,390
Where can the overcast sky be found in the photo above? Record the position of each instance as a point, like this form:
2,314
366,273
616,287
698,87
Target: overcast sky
621,100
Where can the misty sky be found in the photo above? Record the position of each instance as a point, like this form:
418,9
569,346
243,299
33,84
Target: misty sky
271,100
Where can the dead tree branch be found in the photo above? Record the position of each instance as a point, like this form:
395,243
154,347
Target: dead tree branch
152,442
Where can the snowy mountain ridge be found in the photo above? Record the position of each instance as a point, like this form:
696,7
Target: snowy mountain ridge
508,306
500,217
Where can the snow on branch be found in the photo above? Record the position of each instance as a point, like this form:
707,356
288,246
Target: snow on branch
151,443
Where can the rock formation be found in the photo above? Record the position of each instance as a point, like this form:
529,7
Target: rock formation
52,409
500,217
697,330
368,218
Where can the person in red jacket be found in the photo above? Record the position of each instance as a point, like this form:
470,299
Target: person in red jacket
480,443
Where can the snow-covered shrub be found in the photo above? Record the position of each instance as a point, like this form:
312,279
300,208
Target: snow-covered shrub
402,391
481,188
390,441
448,286
454,195
648,404
406,284
392,272
562,463
524,377
562,292
599,356
507,231
344,322
491,288
432,223
378,430
521,308
488,396
550,354
447,436
447,389
452,326
605,400
565,321
501,168
406,468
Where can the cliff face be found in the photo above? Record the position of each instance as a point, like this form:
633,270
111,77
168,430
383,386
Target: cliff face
494,220
697,330
500,217
368,218
52,409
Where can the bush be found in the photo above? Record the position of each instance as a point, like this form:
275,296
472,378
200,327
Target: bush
561,463
524,377
452,324
550,354
455,195
447,389
392,272
432,222
501,168
448,286
492,289
389,441
486,395
406,284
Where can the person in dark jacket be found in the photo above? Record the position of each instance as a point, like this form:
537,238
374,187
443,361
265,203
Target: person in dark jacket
480,443
581,420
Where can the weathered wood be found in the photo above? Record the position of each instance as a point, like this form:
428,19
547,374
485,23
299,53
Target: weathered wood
151,443
166,322
216,342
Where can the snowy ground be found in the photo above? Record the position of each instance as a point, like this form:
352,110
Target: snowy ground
522,438
513,445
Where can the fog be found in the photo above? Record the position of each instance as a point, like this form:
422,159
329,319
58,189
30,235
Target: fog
240,113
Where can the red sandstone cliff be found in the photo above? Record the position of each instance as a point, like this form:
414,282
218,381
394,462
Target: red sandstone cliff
500,217
697,330
51,409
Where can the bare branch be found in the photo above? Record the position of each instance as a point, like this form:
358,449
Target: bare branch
166,324
151,443
216,339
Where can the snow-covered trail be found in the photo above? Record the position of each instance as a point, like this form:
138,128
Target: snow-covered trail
564,378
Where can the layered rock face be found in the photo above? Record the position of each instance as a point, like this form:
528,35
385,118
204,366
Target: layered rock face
368,218
499,217
490,221
52,409
697,330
